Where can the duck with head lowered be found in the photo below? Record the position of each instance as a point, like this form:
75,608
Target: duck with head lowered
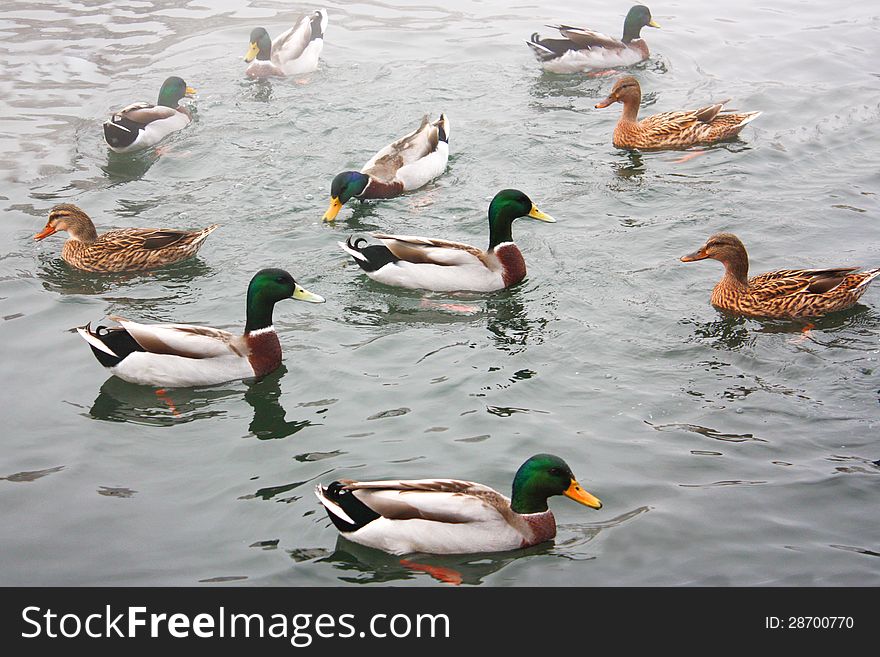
450,516
293,52
583,49
444,266
183,355
141,125
411,162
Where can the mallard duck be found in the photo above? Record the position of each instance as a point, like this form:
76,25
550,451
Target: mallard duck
584,49
449,516
293,52
786,293
670,129
127,249
402,166
443,266
141,125
181,355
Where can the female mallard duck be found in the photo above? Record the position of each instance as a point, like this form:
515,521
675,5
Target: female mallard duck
670,129
293,52
127,249
141,125
402,166
442,266
181,355
783,294
448,516
584,49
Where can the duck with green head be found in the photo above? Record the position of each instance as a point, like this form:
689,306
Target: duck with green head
141,125
293,52
411,162
443,266
583,49
450,516
182,355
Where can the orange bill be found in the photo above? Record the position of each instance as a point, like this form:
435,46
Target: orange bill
604,103
696,255
578,494
48,230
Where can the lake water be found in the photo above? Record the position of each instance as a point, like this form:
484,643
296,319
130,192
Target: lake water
726,451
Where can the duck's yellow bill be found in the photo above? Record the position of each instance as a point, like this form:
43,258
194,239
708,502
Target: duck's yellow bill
604,103
333,210
302,294
578,494
535,213
696,255
48,230
653,23
190,91
252,52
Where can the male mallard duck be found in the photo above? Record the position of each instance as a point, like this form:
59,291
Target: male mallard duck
584,49
670,129
402,166
127,249
442,266
448,516
181,355
141,125
293,52
787,293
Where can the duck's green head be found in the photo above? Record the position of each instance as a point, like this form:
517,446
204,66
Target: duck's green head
173,89
543,476
510,204
260,45
268,287
639,16
345,186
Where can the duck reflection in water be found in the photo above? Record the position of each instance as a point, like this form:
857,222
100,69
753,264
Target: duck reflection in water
120,401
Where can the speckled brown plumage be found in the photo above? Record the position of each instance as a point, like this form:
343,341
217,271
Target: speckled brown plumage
128,249
680,129
783,294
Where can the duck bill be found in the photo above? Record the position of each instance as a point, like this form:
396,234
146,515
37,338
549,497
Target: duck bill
302,294
696,255
535,213
653,23
252,52
604,103
333,210
579,495
48,230
190,91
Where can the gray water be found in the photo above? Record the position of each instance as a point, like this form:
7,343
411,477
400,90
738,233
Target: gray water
727,451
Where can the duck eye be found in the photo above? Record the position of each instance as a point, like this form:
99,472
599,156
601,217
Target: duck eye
555,472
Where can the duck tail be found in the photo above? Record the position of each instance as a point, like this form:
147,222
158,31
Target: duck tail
345,511
748,118
443,128
202,234
369,258
541,52
110,346
319,23
870,275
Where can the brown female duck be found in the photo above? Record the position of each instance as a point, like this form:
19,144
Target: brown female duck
670,129
128,249
783,294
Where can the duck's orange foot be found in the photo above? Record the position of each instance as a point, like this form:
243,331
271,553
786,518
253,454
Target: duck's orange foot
602,74
427,304
805,333
302,81
161,392
448,575
689,156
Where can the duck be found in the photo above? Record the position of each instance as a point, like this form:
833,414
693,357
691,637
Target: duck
443,266
293,52
584,49
680,129
183,355
141,125
450,516
781,294
411,162
127,249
